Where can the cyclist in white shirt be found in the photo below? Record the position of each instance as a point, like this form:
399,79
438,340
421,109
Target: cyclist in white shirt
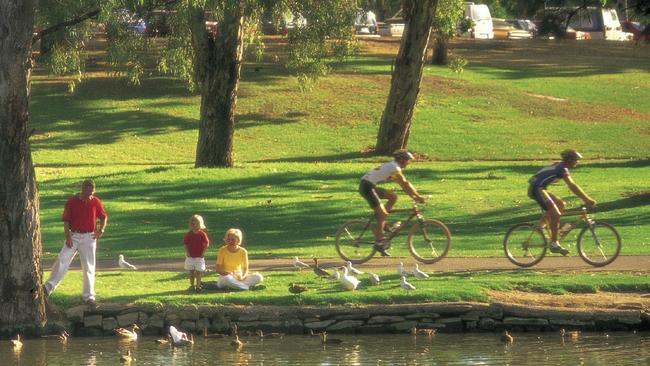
390,171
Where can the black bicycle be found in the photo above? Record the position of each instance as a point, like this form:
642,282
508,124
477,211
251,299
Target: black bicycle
428,240
599,244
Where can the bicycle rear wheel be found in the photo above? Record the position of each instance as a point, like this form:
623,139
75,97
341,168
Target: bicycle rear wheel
525,245
355,241
599,245
429,241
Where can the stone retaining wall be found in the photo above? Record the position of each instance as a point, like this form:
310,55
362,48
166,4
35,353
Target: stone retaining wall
446,317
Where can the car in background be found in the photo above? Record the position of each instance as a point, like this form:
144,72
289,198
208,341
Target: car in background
524,24
636,28
481,19
392,27
505,30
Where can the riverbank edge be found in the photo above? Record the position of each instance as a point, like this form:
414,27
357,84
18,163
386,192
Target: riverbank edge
451,317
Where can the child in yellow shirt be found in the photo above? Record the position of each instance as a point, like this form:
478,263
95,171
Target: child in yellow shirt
232,264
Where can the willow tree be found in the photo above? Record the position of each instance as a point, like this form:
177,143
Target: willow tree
21,296
395,123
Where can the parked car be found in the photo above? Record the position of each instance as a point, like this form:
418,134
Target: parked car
636,28
481,19
524,24
505,30
393,26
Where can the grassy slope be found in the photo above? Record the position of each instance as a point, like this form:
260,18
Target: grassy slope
305,151
171,288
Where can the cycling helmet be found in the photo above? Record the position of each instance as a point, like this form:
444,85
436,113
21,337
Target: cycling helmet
570,154
403,154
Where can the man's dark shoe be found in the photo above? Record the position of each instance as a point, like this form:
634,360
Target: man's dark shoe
559,249
381,248
91,303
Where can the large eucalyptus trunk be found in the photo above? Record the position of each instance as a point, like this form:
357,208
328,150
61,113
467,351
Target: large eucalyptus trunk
217,62
407,75
22,305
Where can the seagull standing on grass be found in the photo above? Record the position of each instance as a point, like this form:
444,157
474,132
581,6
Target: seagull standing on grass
402,272
336,275
352,269
418,273
405,285
298,264
124,264
374,279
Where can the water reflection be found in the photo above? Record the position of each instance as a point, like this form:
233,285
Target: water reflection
443,349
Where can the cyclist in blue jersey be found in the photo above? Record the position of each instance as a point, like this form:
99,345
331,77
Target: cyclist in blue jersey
553,205
390,171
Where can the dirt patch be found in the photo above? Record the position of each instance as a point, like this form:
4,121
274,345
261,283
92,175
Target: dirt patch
600,300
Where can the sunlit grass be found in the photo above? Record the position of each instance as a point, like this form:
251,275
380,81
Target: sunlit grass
170,288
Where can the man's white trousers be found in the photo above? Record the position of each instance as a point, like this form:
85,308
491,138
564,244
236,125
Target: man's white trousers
86,245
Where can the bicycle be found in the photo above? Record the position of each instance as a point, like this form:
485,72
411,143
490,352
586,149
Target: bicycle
428,240
526,244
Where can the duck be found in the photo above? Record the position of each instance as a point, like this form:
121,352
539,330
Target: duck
63,337
236,342
295,288
319,271
405,285
571,334
349,282
163,340
129,334
261,334
352,269
179,338
419,273
16,343
507,338
298,264
374,279
325,340
427,331
126,358
401,271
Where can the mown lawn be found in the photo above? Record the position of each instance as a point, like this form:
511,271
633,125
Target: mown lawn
170,288
300,154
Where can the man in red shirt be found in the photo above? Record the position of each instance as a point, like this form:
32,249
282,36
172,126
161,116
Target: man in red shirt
80,217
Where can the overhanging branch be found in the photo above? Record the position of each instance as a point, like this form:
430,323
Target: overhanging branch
78,19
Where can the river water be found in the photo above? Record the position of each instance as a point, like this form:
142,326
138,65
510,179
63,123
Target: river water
615,348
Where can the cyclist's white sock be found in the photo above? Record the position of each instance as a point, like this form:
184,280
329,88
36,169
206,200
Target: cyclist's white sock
555,244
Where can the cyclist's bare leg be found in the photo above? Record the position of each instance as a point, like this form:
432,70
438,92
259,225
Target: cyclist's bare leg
391,197
554,213
380,214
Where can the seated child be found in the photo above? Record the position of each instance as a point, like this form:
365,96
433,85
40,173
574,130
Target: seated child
196,242
232,264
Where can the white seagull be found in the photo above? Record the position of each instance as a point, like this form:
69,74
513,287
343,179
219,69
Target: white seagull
336,275
374,279
402,272
352,269
418,273
298,264
179,338
349,282
405,285
124,264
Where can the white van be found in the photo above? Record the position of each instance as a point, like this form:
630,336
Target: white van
480,15
599,23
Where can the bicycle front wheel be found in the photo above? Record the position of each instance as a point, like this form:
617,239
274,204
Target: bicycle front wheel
599,245
525,245
429,241
355,241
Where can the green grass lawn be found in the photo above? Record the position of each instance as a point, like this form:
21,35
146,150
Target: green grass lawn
170,288
300,154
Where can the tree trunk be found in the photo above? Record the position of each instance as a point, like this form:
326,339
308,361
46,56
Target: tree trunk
440,50
22,305
407,75
217,68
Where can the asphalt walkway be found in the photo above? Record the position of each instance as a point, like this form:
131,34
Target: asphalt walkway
453,264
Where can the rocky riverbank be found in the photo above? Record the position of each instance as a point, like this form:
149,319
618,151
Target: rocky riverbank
445,317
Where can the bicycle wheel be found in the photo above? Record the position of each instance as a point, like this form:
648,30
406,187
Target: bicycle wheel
525,245
429,241
599,245
355,241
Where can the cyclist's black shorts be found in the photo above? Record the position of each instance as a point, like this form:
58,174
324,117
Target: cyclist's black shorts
537,194
371,193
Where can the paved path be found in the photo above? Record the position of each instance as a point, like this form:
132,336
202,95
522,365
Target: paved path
454,264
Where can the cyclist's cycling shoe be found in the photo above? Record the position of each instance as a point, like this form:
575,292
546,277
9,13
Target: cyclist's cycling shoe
559,249
381,247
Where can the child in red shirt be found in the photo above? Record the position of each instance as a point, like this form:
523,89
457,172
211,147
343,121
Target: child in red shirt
196,242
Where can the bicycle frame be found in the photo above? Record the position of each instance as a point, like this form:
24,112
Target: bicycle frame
414,212
583,216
